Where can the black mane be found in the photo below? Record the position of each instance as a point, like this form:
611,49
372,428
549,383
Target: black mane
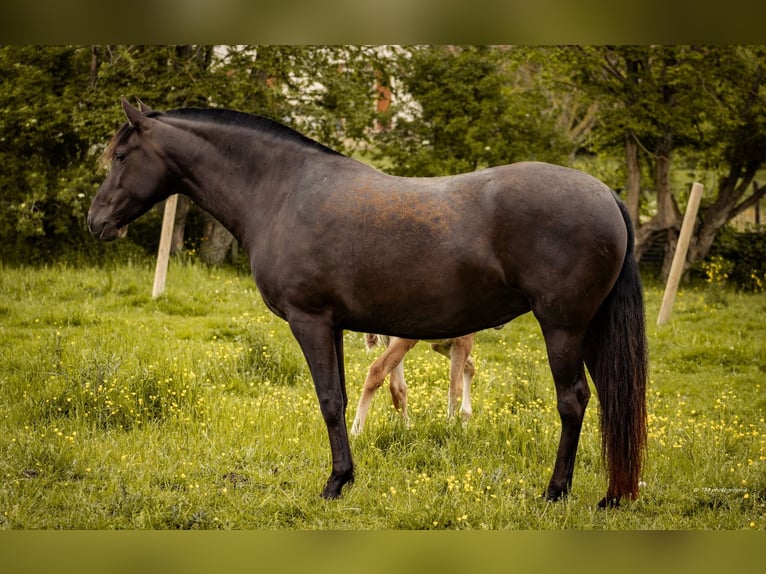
242,119
225,117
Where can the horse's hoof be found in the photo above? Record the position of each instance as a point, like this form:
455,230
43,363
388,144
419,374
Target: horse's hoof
335,485
330,494
554,495
609,502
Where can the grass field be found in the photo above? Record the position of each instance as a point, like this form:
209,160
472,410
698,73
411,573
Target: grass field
196,411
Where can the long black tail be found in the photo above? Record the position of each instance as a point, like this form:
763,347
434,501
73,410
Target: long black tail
616,355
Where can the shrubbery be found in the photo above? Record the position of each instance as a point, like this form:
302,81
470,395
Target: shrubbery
738,258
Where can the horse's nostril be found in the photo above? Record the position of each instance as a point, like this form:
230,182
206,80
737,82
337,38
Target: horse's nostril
89,221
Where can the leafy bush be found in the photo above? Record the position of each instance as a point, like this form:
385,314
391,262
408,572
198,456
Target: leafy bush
744,256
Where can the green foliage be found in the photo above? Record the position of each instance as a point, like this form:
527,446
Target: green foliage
649,92
472,112
195,411
742,255
45,187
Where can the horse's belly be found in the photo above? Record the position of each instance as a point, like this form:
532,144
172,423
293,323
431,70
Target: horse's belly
437,317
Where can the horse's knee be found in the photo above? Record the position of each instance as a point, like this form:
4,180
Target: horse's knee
470,367
398,395
570,409
375,377
571,406
571,399
579,396
462,345
333,412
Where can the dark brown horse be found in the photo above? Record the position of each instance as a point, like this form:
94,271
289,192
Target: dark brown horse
472,251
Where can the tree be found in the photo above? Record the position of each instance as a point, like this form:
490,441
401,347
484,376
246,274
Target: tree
739,129
326,92
45,185
59,110
702,105
474,107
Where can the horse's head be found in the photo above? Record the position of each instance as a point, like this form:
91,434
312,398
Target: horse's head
138,176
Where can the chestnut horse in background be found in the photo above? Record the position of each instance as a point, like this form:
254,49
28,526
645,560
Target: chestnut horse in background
473,251
462,370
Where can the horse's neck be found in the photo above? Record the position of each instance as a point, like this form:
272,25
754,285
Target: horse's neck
225,179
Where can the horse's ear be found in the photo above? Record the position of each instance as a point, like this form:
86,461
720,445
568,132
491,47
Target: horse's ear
143,107
135,116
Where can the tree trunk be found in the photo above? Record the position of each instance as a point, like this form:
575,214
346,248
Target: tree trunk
668,216
746,154
668,213
633,187
179,227
216,241
727,205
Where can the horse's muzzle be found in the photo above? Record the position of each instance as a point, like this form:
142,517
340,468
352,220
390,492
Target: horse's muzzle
104,230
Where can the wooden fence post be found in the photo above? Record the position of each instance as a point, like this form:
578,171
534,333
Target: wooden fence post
679,257
163,253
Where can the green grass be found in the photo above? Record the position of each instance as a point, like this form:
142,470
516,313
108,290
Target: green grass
196,410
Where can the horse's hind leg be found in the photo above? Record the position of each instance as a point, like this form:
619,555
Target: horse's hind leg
455,385
572,394
462,369
398,387
465,406
376,375
469,370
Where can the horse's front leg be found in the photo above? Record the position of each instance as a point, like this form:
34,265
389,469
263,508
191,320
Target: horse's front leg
322,346
389,362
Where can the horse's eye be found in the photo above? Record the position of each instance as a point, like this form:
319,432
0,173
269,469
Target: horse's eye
120,157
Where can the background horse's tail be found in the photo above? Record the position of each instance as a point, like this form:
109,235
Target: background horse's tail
616,356
371,340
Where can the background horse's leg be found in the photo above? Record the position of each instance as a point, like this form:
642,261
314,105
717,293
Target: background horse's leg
322,346
461,371
455,387
465,406
464,347
398,387
377,374
572,393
